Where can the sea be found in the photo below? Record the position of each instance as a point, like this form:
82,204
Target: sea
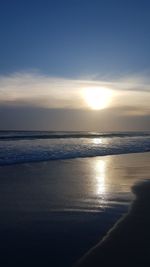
35,146
61,192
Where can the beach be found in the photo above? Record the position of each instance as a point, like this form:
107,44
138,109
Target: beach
75,133
53,213
127,243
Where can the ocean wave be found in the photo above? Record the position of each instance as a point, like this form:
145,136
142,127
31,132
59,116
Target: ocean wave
22,151
32,135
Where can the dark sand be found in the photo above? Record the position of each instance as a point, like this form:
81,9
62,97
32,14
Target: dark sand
128,242
36,231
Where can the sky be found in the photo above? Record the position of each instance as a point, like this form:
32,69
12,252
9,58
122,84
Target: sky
75,65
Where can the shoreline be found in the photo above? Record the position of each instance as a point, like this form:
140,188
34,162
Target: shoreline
29,193
71,158
127,242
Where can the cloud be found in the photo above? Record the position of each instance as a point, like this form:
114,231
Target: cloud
37,118
35,101
35,89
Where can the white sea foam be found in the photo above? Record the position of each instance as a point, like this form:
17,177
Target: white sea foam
21,147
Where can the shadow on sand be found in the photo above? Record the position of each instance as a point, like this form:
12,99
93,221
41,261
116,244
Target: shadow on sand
128,242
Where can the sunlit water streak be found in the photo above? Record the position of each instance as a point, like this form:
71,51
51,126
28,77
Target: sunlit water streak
100,175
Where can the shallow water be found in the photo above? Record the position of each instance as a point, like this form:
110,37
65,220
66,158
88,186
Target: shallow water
65,205
21,147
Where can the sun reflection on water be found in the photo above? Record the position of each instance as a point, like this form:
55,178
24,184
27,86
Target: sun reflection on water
97,141
100,175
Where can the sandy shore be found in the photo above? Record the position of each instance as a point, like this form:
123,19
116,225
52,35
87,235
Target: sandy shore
52,213
128,242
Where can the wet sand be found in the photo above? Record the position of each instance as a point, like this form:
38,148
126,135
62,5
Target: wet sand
52,213
128,242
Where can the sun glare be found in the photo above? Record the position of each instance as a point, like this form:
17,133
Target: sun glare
100,171
97,97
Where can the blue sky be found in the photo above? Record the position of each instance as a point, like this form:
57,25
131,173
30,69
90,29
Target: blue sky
52,50
75,37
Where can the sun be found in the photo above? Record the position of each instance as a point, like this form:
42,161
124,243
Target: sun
97,97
